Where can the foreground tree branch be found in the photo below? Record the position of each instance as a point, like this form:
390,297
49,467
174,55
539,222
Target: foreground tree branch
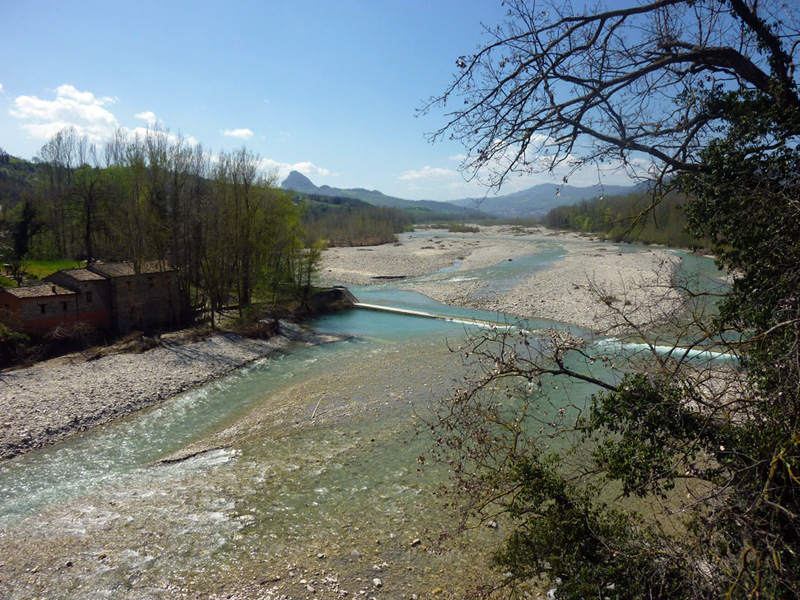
690,417
555,88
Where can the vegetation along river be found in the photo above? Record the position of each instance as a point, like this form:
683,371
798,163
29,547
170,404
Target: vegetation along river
301,479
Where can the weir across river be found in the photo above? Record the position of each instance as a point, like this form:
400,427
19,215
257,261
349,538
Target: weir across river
429,315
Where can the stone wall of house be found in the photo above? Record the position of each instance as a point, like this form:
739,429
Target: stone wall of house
93,297
39,315
146,301
10,311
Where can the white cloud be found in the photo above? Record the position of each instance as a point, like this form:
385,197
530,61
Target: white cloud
148,116
1,88
82,110
283,169
428,173
242,134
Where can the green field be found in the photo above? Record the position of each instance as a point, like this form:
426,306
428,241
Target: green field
38,269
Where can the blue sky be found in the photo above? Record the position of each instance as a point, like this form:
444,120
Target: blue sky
328,88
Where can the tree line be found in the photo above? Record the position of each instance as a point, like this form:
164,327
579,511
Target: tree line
220,220
629,218
350,222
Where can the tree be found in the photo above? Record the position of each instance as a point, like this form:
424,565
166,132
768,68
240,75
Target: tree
697,95
634,88
58,158
23,230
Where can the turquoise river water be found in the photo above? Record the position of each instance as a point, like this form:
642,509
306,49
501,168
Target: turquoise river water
307,485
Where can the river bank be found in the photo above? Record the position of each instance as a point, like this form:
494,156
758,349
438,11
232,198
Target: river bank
62,396
593,286
596,286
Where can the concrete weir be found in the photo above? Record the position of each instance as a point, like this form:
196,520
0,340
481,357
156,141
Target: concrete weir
427,315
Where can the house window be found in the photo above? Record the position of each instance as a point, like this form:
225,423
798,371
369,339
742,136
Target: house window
88,296
43,308
152,281
129,284
65,305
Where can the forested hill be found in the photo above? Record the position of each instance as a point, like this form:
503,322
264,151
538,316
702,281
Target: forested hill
298,182
537,200
532,202
622,218
16,179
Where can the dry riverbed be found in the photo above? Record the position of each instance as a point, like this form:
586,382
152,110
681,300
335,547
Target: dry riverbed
62,396
595,286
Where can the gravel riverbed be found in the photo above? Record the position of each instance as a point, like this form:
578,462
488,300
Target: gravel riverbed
55,398
593,287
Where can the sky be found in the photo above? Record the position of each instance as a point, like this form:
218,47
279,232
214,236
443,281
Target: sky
331,89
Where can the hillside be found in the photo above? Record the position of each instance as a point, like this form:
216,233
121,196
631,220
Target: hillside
298,182
16,179
537,200
532,202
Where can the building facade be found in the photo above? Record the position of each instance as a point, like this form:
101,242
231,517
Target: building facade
110,296
93,295
147,299
38,309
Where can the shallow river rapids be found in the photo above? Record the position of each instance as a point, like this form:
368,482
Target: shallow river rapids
297,478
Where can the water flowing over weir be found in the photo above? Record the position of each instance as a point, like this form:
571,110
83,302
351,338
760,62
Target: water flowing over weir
295,476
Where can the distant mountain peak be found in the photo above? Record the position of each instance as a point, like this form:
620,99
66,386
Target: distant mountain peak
299,183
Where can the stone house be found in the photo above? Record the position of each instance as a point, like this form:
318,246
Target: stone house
109,296
145,300
93,295
38,309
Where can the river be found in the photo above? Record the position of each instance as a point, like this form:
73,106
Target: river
305,482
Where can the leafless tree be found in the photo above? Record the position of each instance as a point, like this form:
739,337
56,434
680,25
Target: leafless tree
618,89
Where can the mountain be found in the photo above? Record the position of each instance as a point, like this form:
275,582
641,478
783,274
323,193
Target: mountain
532,202
298,182
537,200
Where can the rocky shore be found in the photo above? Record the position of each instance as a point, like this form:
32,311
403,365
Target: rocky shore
62,396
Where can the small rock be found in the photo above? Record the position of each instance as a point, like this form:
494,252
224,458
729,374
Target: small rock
377,582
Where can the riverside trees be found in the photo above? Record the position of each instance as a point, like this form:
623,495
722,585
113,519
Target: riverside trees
220,220
699,96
